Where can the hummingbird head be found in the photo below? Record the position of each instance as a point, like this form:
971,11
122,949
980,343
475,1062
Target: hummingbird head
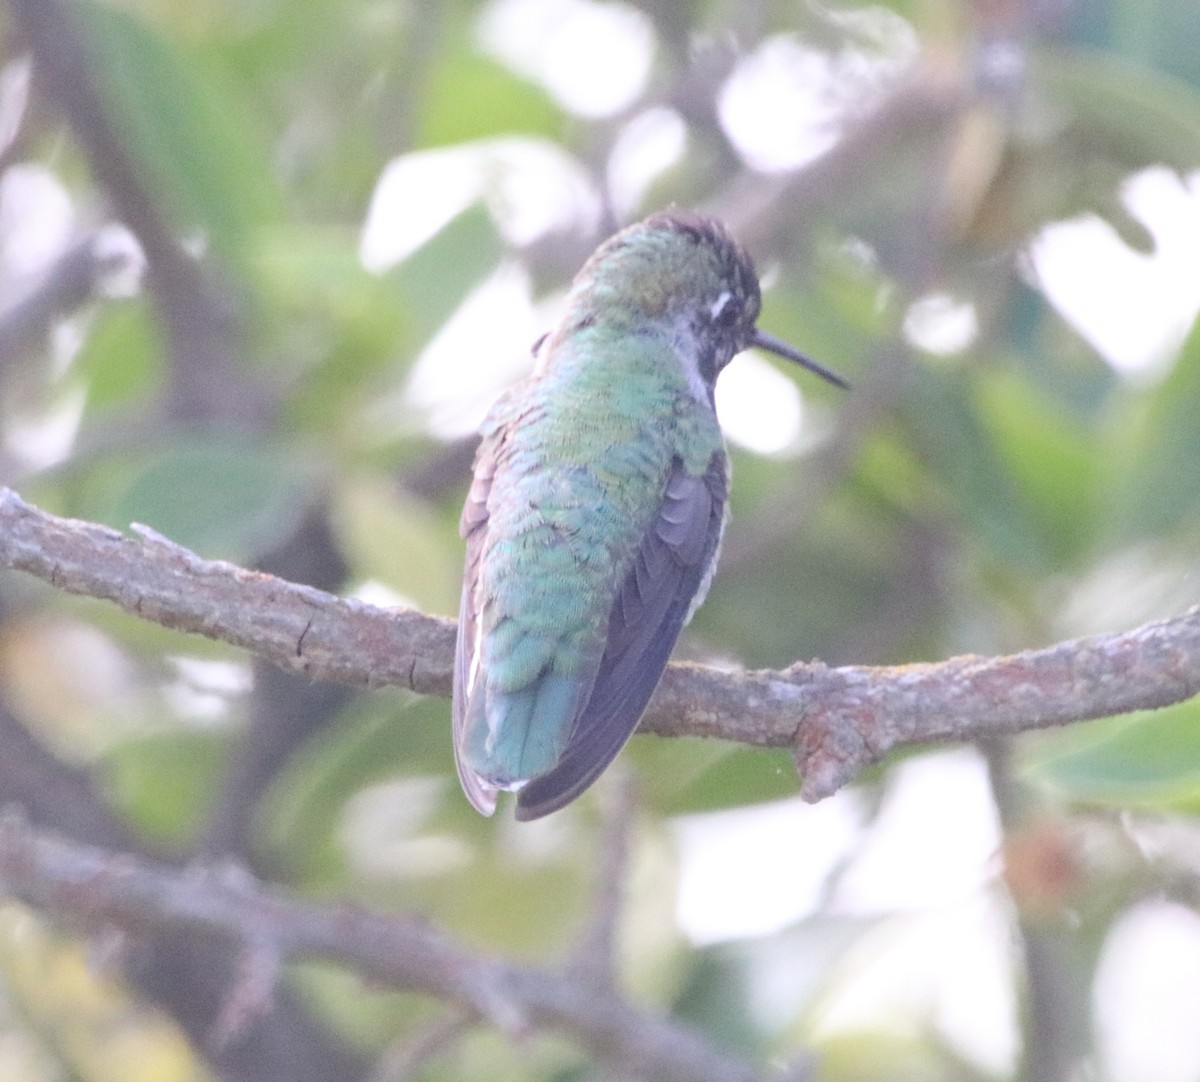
683,272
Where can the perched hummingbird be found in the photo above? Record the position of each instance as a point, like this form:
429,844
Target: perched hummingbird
596,511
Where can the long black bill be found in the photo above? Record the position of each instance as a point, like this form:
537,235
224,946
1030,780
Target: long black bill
781,349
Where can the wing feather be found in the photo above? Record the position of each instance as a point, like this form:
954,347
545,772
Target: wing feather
671,567
473,528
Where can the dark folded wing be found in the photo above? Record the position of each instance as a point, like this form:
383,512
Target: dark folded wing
651,608
473,527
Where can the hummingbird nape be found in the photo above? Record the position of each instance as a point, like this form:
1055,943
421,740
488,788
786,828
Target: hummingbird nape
596,511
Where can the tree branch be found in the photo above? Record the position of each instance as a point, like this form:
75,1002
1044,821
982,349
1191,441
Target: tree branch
99,886
67,285
836,721
296,627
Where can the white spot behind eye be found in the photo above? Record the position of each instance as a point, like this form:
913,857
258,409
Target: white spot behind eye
719,304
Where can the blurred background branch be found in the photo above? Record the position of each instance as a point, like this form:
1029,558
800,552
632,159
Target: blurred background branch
98,886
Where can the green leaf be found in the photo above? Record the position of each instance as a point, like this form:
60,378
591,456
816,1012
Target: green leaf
1135,116
335,327
947,427
166,783
715,1001
1151,33
437,277
354,334
375,739
187,130
1144,116
228,500
1146,758
372,1018
471,96
709,775
1051,458
391,536
120,359
1154,466
1093,120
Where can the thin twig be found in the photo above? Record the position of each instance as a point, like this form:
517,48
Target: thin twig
596,954
66,286
252,994
1054,1023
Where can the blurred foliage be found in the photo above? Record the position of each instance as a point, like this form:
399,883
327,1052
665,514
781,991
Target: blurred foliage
1007,491
63,1019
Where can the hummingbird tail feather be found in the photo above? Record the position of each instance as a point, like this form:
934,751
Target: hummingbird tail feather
520,734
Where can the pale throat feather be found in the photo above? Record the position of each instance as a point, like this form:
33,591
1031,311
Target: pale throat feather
687,351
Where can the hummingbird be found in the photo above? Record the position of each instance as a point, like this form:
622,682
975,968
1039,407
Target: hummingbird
596,510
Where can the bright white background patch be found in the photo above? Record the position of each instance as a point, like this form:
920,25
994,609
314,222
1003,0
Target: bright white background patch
942,948
531,186
481,350
649,144
593,57
941,325
786,102
36,217
1148,996
758,407
1134,308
